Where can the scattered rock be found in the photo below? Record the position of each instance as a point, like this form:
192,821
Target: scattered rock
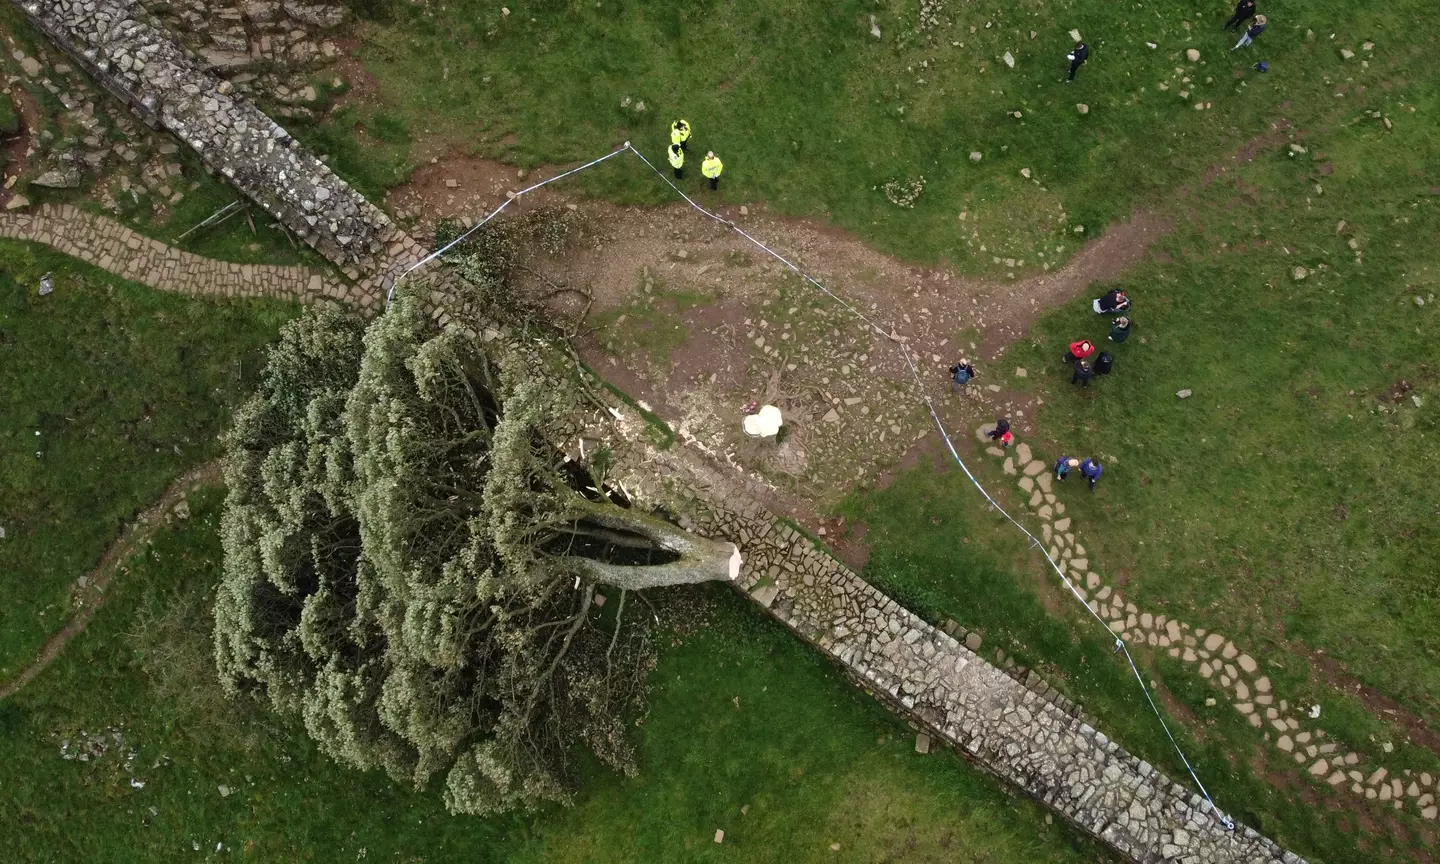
47,284
224,791
874,27
975,156
1346,54
67,177
1009,59
922,743
1075,35
1082,108
719,835
1020,372
1192,55
16,202
1299,273
30,66
973,641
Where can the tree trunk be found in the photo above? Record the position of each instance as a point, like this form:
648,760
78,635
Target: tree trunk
701,560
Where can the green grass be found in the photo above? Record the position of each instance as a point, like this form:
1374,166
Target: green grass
814,116
110,390
935,550
1295,490
742,716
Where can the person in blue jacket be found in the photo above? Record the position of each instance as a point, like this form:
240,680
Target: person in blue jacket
1092,471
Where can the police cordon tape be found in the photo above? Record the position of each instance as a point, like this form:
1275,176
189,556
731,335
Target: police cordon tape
1120,646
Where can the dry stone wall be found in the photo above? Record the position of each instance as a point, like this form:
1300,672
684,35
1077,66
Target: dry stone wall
1010,728
142,65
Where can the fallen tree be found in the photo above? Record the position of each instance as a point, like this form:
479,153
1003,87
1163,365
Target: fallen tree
412,564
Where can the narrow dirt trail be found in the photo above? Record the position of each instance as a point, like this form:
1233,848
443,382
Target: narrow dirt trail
91,590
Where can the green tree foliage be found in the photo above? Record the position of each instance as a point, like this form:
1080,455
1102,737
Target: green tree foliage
411,564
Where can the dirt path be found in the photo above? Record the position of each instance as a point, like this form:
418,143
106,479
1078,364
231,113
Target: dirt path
90,591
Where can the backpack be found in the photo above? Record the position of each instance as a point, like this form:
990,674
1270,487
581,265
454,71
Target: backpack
960,374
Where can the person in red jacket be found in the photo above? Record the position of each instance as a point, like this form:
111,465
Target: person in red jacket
1079,351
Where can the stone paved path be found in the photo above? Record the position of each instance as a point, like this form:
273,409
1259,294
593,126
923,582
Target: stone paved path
111,246
1226,666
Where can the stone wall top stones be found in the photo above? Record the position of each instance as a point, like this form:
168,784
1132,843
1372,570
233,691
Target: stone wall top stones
141,64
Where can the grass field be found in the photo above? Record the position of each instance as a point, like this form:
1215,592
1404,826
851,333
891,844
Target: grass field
814,115
743,718
110,390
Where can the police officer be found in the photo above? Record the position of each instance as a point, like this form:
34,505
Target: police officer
711,168
680,134
677,160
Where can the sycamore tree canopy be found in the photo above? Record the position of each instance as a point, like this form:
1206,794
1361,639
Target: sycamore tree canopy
411,565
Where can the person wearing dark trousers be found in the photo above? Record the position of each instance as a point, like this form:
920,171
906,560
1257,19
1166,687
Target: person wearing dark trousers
1091,469
1244,11
1079,350
1083,373
1077,57
677,160
1001,432
1120,329
961,373
1104,362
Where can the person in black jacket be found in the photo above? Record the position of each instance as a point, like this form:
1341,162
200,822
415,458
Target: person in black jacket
1083,373
1253,33
1077,58
1104,362
1244,11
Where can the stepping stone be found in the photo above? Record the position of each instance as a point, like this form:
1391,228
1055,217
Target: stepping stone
1059,508
1172,628
1147,620
1043,512
1244,707
1336,779
1285,744
995,451
1254,720
1264,698
1247,663
973,641
1214,641
1034,468
1430,812
1104,593
1036,498
1189,656
1262,685
1009,466
1080,563
1028,485
1319,768
983,431
1092,580
1353,759
1022,452
1044,481
1241,690
1079,550
1230,651
1063,524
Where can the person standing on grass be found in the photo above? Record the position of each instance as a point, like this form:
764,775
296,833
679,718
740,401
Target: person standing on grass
1253,33
677,160
1001,432
680,132
1092,470
1079,351
1104,362
1244,11
1077,57
1120,330
1083,373
711,168
961,373
1064,465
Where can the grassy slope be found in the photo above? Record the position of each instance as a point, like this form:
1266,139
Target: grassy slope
814,115
110,390
742,714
